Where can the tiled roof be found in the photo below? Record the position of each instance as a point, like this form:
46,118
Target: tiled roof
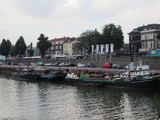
145,28
59,39
70,40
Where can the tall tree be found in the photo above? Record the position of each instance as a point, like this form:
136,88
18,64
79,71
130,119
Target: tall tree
43,44
113,34
5,47
88,38
158,36
12,51
20,46
30,51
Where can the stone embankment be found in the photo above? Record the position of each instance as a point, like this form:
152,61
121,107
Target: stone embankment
154,62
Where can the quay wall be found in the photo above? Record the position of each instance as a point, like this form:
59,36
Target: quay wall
154,62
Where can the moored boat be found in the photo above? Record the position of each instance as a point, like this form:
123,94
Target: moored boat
49,75
25,75
77,77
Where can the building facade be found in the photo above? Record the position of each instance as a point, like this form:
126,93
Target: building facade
67,46
143,38
57,46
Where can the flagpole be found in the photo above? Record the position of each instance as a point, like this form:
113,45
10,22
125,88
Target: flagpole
110,56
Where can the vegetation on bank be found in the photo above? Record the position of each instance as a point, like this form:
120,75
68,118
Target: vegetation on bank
110,34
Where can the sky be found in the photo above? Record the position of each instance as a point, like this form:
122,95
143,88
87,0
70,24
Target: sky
70,18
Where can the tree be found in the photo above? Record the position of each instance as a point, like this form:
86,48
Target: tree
30,51
158,36
88,38
12,51
112,34
5,47
20,46
43,44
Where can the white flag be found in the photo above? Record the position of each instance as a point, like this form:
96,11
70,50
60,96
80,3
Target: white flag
102,46
92,48
97,46
112,47
107,45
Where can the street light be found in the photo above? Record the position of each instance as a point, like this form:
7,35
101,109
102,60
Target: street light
28,60
19,60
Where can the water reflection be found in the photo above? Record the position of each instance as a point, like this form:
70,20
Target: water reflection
106,103
44,100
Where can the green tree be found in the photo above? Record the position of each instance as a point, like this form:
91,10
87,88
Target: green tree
158,36
88,38
30,51
5,47
12,51
20,46
112,34
43,44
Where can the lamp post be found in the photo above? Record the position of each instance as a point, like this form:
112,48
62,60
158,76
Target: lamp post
28,60
19,60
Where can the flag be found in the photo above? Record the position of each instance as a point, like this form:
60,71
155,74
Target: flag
107,48
102,46
92,48
97,46
112,47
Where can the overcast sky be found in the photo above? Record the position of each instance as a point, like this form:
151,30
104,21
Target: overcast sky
58,18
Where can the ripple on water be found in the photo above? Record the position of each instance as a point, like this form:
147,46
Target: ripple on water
44,100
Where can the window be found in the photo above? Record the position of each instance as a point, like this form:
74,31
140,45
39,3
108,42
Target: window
52,48
146,45
56,47
60,47
142,45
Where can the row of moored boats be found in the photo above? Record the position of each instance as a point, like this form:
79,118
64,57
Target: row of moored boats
141,78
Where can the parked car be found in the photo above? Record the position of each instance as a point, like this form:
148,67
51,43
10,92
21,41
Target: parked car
90,65
14,64
71,64
56,64
62,64
33,64
107,65
8,63
81,65
48,64
40,64
22,63
117,66
27,63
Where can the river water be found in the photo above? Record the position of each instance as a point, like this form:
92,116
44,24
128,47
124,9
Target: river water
50,101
